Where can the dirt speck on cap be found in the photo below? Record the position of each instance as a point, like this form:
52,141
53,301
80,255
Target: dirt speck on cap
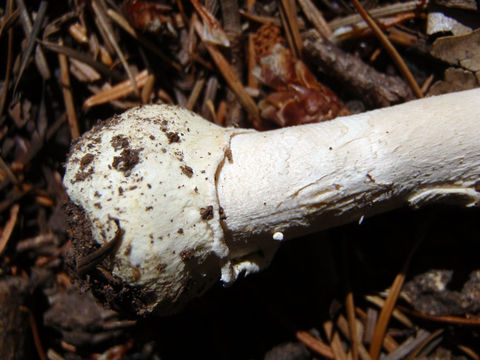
207,212
172,137
86,159
127,160
119,142
187,254
187,170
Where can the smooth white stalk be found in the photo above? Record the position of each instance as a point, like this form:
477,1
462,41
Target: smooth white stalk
299,180
213,203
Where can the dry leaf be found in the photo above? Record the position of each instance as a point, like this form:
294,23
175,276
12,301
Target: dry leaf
455,79
462,50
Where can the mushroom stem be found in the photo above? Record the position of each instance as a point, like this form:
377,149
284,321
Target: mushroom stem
187,203
292,181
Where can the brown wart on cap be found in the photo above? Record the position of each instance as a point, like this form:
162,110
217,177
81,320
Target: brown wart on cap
223,207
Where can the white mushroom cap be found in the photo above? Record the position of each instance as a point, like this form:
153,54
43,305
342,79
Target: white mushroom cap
148,176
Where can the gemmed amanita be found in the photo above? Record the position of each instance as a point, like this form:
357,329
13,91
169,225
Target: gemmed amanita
170,203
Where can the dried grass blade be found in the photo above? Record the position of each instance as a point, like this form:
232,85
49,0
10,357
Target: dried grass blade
290,24
230,76
8,71
352,324
315,344
390,49
67,94
26,22
389,343
83,58
432,341
384,11
252,63
260,18
195,93
408,346
349,303
447,319
345,328
8,228
147,89
8,21
11,176
315,16
116,92
108,31
468,351
335,342
123,23
388,308
32,36
385,315
36,336
396,313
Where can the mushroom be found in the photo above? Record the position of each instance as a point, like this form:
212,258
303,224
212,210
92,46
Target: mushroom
164,204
